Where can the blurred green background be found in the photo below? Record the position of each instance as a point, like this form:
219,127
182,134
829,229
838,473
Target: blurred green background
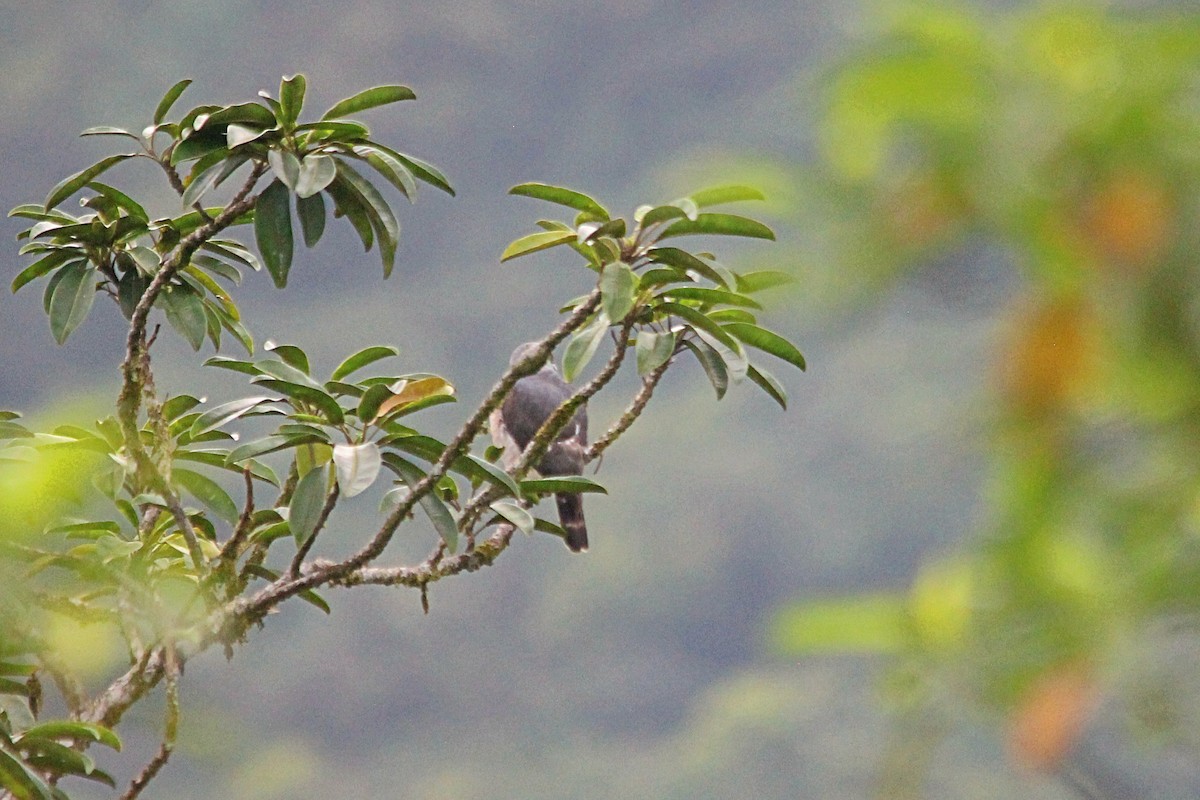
963,563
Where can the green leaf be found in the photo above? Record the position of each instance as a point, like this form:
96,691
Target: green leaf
224,362
718,195
763,279
185,311
699,321
291,355
349,204
719,225
390,168
20,780
72,299
291,100
108,130
200,184
766,341
361,359
767,382
308,500
69,186
583,346
285,166
653,349
294,369
387,228
369,98
123,201
43,266
714,365
208,492
709,296
342,129
559,484
617,287
562,196
273,231
433,506
372,399
682,259
224,413
357,466
423,170
236,135
316,172
515,514
491,473
169,99
534,242
319,398
269,444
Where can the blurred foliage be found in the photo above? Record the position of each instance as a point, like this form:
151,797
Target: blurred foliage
1069,136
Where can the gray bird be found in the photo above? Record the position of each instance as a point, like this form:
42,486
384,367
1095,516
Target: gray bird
532,400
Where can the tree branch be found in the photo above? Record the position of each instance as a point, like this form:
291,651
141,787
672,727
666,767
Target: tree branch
632,412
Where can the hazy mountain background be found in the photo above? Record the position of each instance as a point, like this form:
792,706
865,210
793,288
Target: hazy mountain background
642,669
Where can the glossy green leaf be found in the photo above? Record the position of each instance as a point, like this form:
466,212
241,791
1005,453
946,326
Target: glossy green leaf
442,518
349,204
341,129
682,259
273,231
491,473
21,781
225,413
709,296
291,100
357,466
653,349
372,399
208,492
424,171
123,201
69,186
582,346
515,514
750,282
535,242
713,364
294,368
72,299
369,98
285,166
308,500
768,383
200,185
361,359
108,130
185,311
316,172
563,197
224,362
559,484
698,320
269,444
766,341
292,356
718,195
164,105
390,167
618,284
43,266
387,228
236,135
719,225
317,398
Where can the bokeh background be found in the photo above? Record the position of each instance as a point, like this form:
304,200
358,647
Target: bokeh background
963,564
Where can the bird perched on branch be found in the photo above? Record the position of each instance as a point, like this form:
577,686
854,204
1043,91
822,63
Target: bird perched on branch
514,424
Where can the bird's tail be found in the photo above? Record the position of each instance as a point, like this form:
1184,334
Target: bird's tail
570,514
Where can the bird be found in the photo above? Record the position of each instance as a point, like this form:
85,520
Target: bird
517,420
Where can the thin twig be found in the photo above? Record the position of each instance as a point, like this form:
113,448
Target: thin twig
302,551
232,548
632,412
170,728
